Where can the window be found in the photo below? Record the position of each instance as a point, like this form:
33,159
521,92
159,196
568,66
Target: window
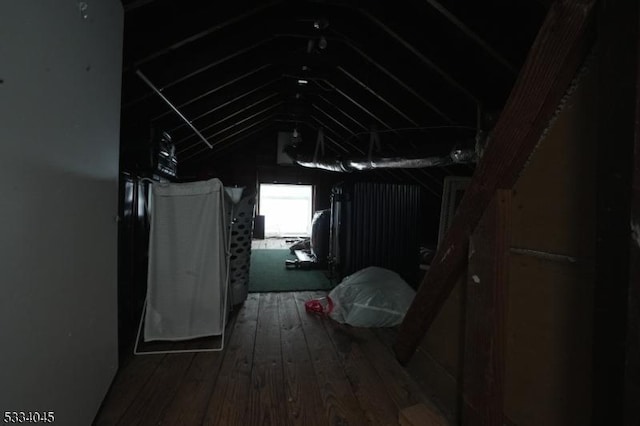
287,209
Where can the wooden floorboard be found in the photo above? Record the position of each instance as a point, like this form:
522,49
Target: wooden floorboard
267,403
340,403
304,401
192,397
273,243
229,400
157,393
132,377
369,388
402,390
280,366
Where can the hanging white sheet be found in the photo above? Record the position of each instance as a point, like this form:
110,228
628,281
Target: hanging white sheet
187,262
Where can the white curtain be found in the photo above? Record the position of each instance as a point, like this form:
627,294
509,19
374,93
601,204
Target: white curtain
187,261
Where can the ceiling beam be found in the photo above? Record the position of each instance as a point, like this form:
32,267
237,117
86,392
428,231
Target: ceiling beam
201,34
377,95
216,89
353,101
472,35
220,141
314,128
552,63
332,118
265,125
236,124
356,103
391,172
423,58
337,134
351,44
320,123
173,108
228,117
183,77
341,111
228,102
244,120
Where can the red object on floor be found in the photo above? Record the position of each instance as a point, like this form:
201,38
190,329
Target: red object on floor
322,306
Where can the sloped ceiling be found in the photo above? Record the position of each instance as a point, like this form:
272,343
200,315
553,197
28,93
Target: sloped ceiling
415,70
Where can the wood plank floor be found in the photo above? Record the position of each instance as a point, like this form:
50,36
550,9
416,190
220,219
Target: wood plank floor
280,366
274,243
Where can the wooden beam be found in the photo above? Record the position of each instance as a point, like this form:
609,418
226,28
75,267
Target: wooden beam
377,95
237,78
210,109
552,63
353,46
472,35
423,58
169,77
356,103
241,123
264,122
227,117
484,344
190,38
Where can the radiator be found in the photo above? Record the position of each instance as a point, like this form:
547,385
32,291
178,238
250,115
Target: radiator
375,224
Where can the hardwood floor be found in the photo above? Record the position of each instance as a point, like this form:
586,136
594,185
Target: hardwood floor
273,243
280,366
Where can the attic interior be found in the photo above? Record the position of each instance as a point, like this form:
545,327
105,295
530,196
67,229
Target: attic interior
528,312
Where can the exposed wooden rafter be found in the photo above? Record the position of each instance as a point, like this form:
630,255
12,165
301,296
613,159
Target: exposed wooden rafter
552,63
230,101
228,83
431,64
228,117
472,35
351,44
377,95
218,144
200,34
358,104
237,123
205,67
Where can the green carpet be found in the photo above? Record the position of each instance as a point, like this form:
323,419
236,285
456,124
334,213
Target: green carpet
268,273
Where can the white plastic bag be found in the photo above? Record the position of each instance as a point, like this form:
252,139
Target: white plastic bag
371,297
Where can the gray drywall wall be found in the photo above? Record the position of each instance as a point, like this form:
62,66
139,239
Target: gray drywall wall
60,77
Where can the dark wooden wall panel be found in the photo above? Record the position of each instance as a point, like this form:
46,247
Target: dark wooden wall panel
549,312
484,343
556,55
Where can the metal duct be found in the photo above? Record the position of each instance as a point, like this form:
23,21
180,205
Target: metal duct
332,166
398,163
457,156
376,224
